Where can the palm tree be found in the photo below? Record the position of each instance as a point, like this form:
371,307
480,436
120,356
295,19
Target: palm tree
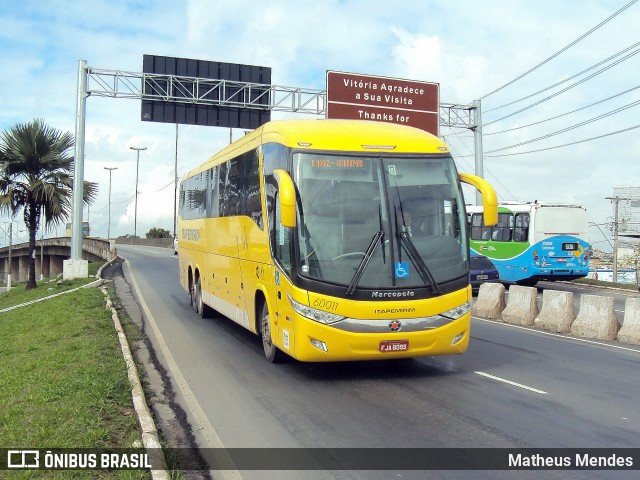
36,167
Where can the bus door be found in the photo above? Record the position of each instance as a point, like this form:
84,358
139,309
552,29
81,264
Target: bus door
242,243
284,328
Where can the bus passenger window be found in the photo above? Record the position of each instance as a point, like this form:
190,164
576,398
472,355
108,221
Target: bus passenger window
252,187
502,231
477,227
521,232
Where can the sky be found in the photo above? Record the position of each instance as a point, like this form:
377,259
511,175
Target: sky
473,50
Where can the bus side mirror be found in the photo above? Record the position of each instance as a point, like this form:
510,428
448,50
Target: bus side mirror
489,197
287,197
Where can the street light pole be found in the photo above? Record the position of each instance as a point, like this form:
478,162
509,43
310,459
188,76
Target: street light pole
109,227
10,259
42,250
135,214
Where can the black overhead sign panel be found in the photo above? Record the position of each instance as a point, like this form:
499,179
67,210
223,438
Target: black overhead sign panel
177,97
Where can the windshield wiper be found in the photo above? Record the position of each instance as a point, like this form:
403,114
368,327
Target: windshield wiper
416,258
364,262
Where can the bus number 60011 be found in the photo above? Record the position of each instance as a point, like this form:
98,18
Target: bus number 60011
325,304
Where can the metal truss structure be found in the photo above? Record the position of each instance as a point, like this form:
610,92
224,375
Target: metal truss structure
223,93
226,93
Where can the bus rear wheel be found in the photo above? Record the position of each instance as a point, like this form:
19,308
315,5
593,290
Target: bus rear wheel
273,353
196,300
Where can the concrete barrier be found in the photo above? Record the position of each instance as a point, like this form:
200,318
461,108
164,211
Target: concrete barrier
522,306
151,242
630,331
596,319
557,313
490,302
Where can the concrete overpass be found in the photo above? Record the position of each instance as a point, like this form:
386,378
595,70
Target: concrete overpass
50,253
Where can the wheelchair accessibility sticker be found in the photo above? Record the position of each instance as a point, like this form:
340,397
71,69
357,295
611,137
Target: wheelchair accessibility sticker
402,269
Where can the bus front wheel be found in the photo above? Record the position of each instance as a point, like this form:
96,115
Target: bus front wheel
273,353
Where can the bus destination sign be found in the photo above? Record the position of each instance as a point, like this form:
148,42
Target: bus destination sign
365,97
340,163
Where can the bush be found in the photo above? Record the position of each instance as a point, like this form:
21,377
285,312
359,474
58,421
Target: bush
157,232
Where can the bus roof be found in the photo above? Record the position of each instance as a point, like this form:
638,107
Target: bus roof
522,206
352,135
343,135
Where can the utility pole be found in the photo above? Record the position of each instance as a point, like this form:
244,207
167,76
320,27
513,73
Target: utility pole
477,140
175,186
616,201
135,214
78,166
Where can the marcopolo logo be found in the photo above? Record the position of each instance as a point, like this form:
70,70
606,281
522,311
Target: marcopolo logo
393,294
23,459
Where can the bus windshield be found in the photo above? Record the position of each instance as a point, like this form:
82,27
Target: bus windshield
379,221
561,220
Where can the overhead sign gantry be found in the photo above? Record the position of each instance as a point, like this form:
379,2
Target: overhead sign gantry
175,90
196,79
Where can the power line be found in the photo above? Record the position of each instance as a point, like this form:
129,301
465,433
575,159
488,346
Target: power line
457,158
567,144
561,50
572,127
562,114
566,79
131,197
124,201
564,89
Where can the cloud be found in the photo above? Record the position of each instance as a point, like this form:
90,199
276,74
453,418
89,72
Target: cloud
465,46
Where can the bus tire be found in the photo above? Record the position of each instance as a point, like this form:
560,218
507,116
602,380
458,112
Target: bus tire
198,304
273,353
529,282
192,296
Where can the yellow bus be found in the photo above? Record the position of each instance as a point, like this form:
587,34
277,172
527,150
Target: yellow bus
300,233
86,229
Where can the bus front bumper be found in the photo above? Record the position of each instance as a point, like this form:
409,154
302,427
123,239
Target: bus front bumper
317,342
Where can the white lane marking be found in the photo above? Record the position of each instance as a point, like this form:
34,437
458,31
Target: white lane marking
558,335
519,385
206,430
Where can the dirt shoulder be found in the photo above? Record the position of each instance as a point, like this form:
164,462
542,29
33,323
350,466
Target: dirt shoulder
171,419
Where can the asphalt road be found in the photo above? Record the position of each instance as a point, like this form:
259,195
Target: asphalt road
514,387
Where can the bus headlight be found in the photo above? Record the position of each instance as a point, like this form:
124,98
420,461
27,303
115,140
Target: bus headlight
313,313
457,312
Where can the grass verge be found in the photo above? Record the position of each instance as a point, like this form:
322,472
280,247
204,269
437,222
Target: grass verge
49,286
602,283
64,381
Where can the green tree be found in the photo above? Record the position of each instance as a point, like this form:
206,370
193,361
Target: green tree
36,177
157,232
